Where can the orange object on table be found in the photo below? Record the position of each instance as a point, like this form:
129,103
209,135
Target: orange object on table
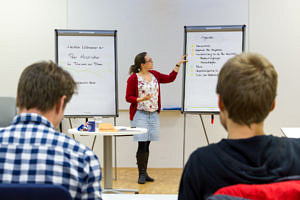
106,127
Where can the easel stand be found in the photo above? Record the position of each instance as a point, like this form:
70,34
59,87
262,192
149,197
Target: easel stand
204,128
184,133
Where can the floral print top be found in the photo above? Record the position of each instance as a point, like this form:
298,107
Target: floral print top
145,87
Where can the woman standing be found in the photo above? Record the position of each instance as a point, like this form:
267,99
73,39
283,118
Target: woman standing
143,92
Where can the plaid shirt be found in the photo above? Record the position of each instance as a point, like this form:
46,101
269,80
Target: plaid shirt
31,151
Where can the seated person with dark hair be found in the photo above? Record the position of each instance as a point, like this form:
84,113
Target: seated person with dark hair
246,91
31,151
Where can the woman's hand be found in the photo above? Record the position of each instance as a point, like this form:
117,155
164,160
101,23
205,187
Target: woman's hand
183,60
145,98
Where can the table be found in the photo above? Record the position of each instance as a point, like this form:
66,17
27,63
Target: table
140,196
107,151
291,132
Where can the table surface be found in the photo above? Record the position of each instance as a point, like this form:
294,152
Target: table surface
139,196
122,130
291,132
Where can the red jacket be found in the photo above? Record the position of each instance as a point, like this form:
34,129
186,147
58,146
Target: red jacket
132,89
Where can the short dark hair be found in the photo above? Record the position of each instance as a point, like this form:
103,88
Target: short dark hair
138,60
42,84
247,85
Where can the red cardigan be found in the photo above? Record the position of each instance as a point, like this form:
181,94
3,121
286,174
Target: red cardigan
132,89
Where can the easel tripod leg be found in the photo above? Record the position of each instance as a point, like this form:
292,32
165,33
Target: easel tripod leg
204,129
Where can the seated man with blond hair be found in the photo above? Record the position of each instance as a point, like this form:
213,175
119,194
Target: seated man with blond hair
32,151
246,91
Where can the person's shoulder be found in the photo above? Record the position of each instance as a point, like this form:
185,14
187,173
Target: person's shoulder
294,141
206,152
4,129
81,150
282,144
200,161
157,74
276,139
132,77
154,72
79,155
72,144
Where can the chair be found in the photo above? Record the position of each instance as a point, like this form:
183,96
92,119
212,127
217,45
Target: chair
287,189
8,110
33,192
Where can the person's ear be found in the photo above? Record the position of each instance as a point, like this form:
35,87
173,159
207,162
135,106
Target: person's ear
60,105
273,105
220,103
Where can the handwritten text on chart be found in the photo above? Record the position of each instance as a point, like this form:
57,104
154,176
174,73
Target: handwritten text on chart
206,59
82,59
85,82
84,47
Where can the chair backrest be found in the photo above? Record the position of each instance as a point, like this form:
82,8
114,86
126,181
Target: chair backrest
33,192
276,190
8,110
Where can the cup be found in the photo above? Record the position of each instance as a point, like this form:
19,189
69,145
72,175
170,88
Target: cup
91,126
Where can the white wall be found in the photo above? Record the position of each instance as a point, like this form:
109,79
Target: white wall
27,36
274,29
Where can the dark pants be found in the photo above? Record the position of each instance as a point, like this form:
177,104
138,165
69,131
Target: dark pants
143,147
142,156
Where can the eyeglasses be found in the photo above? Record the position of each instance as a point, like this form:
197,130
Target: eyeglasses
150,60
